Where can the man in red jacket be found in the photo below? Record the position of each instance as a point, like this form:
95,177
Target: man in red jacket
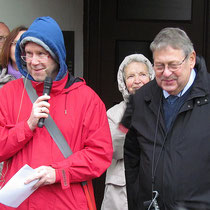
77,111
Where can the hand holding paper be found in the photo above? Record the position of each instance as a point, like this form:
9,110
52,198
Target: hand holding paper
16,191
45,175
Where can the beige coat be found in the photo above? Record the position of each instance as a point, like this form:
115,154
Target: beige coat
115,196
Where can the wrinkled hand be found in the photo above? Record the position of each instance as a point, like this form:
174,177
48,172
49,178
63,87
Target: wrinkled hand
45,174
40,109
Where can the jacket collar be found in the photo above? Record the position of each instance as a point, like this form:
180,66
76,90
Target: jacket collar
200,86
153,93
58,86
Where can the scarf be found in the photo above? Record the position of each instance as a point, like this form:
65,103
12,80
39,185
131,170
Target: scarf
14,72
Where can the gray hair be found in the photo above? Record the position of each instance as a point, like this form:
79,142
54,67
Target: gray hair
174,37
121,76
139,58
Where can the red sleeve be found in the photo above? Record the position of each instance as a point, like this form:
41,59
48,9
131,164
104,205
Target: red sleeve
13,136
96,155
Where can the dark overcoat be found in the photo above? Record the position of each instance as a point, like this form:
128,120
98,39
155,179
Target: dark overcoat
179,161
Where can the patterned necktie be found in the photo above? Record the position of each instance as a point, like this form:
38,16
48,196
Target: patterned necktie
171,99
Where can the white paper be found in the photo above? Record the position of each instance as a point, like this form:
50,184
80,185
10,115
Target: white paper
15,191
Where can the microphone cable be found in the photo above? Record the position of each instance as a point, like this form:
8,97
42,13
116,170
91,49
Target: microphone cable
154,202
154,165
21,101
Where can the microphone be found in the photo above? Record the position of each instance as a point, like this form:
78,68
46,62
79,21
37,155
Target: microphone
46,91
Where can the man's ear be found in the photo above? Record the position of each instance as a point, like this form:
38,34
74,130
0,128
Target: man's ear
192,59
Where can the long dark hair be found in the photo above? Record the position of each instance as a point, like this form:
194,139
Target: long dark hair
5,52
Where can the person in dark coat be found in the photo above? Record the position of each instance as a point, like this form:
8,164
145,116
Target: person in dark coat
167,147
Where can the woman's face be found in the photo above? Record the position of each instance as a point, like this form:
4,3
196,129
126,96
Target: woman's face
13,45
136,75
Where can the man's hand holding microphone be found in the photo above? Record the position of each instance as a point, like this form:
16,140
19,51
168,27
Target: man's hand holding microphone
40,109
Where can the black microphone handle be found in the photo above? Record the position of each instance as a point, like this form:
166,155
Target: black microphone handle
41,121
46,91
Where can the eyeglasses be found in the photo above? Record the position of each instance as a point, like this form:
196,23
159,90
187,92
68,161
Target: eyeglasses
2,38
41,58
171,66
